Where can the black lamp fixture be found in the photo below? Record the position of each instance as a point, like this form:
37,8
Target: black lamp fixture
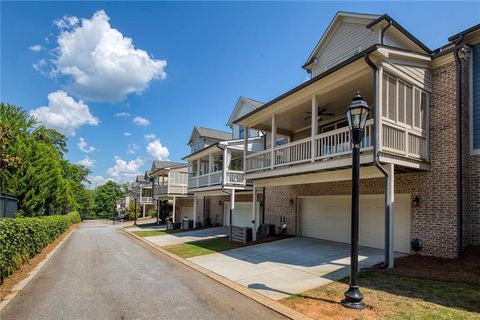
290,201
219,202
357,115
416,201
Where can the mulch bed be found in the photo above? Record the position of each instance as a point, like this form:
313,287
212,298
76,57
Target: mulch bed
26,268
465,269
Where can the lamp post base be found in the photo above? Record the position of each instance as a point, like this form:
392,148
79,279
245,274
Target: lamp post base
353,298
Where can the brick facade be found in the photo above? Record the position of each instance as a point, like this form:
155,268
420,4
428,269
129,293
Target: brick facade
435,220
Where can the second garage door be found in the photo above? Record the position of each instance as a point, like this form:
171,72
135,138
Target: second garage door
242,216
328,217
186,212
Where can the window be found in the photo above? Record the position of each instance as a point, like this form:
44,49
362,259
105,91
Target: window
241,133
403,103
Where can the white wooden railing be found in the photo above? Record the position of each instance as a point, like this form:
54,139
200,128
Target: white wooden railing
404,141
327,145
170,189
146,200
234,177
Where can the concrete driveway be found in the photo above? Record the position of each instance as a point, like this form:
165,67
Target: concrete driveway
188,236
285,267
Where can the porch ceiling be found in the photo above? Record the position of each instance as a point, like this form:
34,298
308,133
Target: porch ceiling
336,101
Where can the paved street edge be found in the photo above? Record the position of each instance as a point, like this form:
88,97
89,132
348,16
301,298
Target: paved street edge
267,302
18,287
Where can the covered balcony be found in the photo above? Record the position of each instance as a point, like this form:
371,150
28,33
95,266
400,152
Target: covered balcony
218,166
170,183
307,130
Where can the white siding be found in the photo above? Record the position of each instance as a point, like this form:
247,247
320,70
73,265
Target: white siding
239,112
347,40
421,75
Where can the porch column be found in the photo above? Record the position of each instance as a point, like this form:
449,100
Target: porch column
232,207
389,214
174,208
225,165
273,141
198,169
254,213
143,210
314,130
245,149
194,211
210,166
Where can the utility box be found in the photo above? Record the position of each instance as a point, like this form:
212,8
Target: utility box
241,234
185,224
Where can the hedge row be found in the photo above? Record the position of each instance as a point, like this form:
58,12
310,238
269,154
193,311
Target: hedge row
23,238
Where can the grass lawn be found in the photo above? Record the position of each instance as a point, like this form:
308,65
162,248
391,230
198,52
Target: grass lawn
199,248
150,233
392,297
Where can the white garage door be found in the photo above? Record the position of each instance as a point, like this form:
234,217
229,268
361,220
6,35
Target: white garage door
186,212
242,214
328,217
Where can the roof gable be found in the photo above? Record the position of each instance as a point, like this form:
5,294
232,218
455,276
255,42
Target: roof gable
243,106
339,18
209,133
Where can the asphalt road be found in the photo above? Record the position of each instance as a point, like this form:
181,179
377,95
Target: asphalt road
100,273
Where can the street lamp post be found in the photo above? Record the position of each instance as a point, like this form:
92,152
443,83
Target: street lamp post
357,115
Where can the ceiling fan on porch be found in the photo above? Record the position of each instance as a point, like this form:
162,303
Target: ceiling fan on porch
321,112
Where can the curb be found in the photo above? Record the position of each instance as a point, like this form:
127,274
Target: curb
267,302
18,287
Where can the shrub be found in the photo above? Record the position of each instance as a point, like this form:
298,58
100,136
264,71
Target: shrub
23,238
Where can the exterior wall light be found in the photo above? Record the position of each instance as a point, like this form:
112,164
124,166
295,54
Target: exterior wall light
290,201
416,201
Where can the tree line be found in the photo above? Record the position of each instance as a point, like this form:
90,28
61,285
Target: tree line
33,168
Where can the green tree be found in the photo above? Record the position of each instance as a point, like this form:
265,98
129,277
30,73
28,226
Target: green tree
105,198
32,166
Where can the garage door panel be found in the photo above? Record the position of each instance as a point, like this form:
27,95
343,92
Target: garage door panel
186,212
242,215
328,217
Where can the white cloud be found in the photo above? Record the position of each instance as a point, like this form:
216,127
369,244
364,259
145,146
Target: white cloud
141,121
157,150
40,66
64,114
87,162
127,134
122,114
149,137
36,48
83,146
101,63
95,181
132,148
125,170
66,22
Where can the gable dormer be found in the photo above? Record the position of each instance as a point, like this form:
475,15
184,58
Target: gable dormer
204,137
350,33
244,105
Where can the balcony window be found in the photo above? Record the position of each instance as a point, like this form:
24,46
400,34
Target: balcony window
403,103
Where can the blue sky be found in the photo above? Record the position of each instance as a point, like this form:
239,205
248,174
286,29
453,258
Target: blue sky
214,52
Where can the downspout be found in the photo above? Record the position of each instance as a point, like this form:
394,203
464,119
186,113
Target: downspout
376,157
459,75
382,33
